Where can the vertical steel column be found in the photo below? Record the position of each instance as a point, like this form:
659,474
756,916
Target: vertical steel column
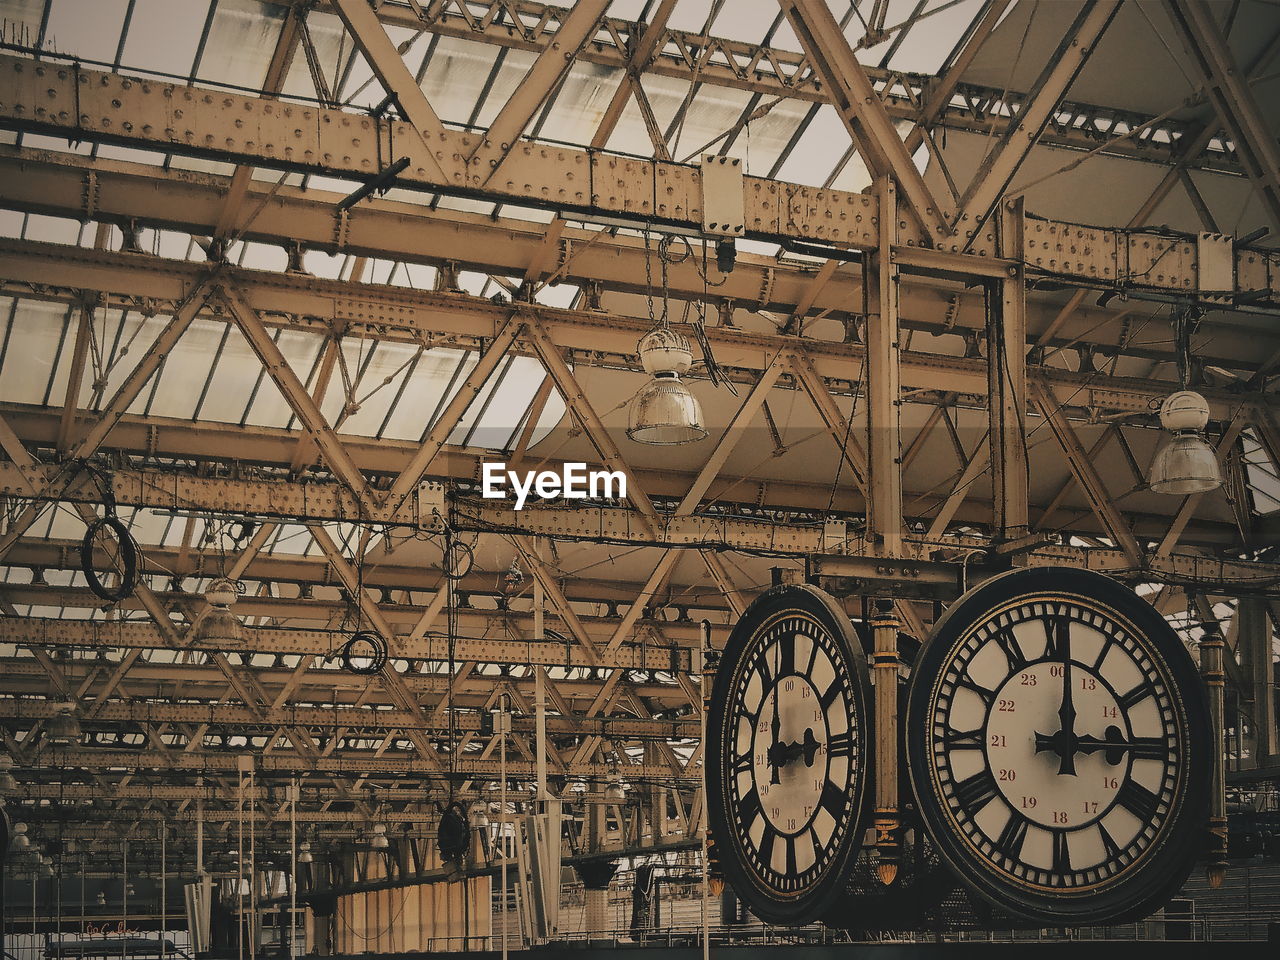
704,667
885,626
1254,645
1007,382
1212,648
884,512
502,727
293,869
539,688
880,294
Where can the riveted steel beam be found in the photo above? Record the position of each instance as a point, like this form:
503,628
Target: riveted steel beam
68,100
777,72
140,634
21,713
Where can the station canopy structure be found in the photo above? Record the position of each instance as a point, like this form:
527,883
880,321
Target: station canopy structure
295,388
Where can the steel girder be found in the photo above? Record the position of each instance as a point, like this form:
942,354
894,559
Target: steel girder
144,635
22,713
377,312
777,72
62,100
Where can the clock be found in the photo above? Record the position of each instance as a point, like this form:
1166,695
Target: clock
1059,747
787,754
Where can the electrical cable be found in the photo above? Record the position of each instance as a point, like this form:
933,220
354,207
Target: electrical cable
126,549
376,655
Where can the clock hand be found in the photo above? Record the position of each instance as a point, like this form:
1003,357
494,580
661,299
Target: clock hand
1067,711
807,748
1114,744
776,725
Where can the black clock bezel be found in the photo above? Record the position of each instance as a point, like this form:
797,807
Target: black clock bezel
766,903
1164,866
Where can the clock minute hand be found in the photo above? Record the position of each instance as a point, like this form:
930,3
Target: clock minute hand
1067,711
776,761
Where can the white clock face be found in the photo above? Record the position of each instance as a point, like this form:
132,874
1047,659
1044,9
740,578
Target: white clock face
1055,744
1059,746
793,750
786,733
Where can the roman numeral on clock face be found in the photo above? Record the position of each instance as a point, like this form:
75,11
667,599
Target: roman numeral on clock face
1108,843
974,793
963,739
1012,836
1057,636
1135,696
833,799
1012,649
988,695
840,744
1138,800
1061,855
828,696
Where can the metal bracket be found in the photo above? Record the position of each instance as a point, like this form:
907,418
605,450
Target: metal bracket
723,201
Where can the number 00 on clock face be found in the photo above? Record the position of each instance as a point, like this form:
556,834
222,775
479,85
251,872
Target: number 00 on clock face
1058,746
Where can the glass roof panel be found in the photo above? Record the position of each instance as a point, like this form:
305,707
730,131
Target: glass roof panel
456,74
22,18
164,36
30,351
241,41
90,30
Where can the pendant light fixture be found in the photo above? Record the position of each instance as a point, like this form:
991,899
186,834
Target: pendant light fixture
665,411
7,782
218,624
64,726
1186,464
376,836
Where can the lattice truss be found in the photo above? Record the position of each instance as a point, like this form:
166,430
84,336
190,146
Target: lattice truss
282,387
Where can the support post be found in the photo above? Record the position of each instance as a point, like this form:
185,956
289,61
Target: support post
708,676
540,694
1212,648
1253,644
1007,382
502,727
880,290
884,660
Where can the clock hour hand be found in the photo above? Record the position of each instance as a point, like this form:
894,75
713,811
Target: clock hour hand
783,753
1115,746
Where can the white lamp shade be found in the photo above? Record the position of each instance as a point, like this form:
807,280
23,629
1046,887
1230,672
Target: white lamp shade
665,412
1184,410
64,726
221,592
1185,465
662,350
219,625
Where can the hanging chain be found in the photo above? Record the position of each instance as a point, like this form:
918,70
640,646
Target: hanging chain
648,278
663,245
